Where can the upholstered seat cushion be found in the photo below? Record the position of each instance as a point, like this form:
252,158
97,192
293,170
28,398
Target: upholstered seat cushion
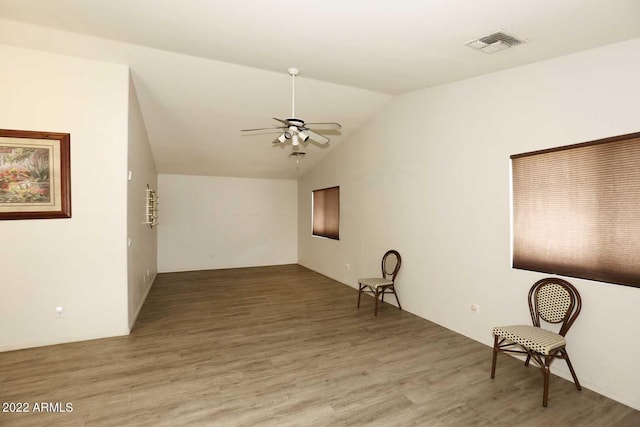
375,282
531,337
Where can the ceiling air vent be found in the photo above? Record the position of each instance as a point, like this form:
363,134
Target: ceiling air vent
495,42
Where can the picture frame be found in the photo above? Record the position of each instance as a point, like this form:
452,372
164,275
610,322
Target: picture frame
35,175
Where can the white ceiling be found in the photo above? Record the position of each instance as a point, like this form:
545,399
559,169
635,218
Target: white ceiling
209,68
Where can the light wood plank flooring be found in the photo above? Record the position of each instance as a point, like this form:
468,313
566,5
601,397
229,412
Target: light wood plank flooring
285,346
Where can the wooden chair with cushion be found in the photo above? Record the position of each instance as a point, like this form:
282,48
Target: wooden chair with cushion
554,301
378,286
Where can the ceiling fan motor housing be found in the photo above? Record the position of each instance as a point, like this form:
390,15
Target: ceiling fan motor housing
296,121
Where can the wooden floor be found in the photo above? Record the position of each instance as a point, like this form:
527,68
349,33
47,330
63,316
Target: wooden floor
284,346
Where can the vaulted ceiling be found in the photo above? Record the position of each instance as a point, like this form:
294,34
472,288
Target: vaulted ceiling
205,69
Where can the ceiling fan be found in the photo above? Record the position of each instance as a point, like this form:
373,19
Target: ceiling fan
294,128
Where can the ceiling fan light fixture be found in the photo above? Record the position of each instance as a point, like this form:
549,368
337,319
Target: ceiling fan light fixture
282,138
295,140
303,135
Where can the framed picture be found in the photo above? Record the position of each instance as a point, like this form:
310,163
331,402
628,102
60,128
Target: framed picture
35,175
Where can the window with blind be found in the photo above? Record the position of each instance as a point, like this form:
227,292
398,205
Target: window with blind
326,213
576,210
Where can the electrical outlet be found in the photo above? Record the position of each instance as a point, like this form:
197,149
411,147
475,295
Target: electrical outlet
59,312
144,277
347,266
476,309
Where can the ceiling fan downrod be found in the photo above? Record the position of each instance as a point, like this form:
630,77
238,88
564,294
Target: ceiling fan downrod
293,72
294,129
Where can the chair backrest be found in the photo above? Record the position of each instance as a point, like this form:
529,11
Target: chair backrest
391,264
555,301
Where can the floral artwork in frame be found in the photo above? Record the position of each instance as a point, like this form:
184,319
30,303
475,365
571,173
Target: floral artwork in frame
35,169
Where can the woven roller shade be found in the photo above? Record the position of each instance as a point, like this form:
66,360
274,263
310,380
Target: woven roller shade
576,210
326,213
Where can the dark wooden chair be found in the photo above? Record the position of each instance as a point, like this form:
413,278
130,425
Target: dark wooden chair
378,286
554,301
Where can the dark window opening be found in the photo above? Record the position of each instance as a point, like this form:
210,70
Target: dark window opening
326,213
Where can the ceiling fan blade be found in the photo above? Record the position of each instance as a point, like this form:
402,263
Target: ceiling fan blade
274,129
317,137
284,122
329,125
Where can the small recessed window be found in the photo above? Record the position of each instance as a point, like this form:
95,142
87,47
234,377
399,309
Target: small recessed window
326,213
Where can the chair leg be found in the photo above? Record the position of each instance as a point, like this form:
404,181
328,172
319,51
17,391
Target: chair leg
573,373
545,373
375,310
495,356
396,295
526,362
359,293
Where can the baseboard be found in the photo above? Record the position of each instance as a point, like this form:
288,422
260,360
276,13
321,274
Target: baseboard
229,267
142,300
63,340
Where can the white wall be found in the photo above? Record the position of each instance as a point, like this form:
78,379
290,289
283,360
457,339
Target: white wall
77,263
429,176
216,222
142,254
